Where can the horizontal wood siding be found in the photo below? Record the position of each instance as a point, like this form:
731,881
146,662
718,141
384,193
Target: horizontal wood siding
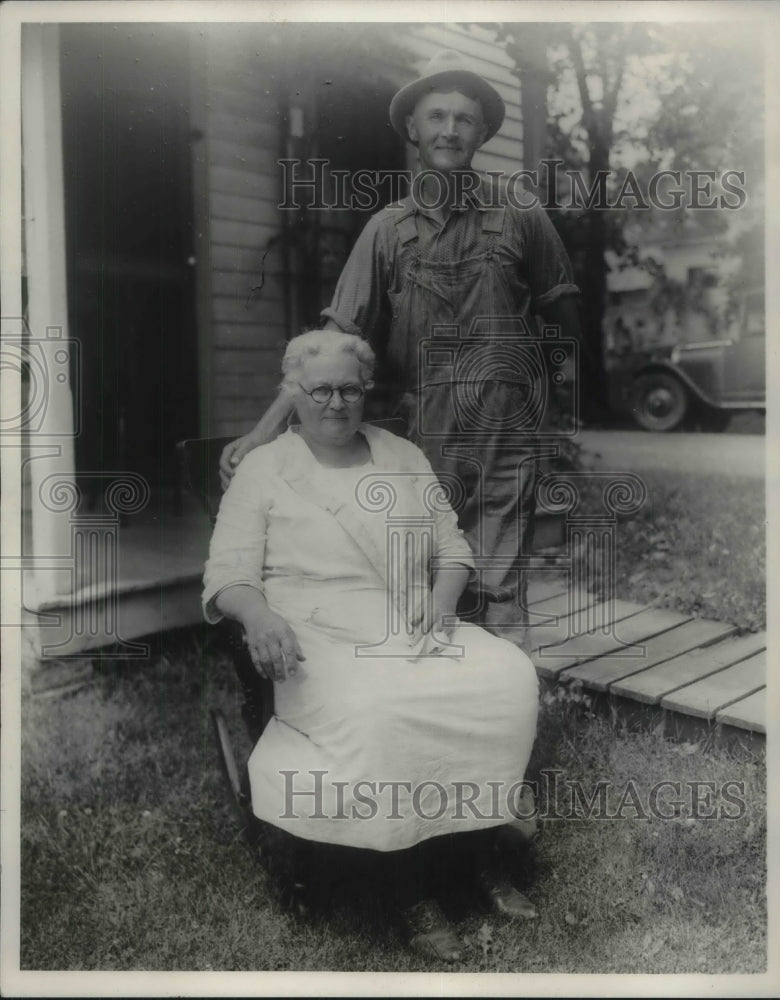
248,327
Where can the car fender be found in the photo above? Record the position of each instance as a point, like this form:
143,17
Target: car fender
670,369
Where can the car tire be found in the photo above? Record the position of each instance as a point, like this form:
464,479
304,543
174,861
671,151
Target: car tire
659,402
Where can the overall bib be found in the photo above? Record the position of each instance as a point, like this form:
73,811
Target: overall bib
472,384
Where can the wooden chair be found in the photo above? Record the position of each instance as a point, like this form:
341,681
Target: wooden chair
199,467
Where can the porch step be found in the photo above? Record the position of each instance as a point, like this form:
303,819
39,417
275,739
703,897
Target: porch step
114,621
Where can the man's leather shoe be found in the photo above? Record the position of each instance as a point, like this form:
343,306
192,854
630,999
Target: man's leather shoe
429,932
504,899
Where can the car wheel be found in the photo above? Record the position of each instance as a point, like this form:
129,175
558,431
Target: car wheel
714,421
660,402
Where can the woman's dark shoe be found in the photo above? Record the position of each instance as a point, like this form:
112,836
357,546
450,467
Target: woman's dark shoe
429,932
504,899
524,828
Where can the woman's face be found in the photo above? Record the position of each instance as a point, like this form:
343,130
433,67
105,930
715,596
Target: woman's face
334,422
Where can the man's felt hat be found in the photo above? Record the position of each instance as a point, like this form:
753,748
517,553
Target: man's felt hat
448,69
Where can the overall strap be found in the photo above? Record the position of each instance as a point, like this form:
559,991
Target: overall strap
406,227
493,220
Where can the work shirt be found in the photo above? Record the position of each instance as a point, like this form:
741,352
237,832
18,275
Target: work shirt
531,261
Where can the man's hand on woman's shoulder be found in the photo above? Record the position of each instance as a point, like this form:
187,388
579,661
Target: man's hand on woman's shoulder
270,425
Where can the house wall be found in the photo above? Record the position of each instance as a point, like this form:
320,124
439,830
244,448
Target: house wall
243,336
246,333
630,322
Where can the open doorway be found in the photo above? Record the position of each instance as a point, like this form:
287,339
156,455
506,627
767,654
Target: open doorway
128,218
353,133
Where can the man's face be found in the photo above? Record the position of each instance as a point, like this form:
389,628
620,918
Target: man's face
448,128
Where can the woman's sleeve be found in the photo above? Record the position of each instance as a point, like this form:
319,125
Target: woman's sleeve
237,549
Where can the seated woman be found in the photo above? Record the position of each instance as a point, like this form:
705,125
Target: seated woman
395,725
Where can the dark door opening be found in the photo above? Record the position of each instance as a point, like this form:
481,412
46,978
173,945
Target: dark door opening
349,129
129,220
353,133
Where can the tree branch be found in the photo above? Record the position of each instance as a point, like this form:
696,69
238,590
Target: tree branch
582,79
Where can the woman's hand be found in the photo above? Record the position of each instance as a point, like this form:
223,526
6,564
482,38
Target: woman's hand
272,644
439,616
444,622
437,623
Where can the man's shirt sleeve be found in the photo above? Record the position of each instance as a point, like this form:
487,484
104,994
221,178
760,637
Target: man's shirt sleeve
549,268
359,302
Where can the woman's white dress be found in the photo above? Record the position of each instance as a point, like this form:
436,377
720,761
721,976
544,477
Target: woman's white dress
378,741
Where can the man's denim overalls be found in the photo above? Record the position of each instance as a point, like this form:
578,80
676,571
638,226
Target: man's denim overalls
462,392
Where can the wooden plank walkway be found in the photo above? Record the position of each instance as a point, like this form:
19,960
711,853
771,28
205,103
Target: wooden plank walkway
693,666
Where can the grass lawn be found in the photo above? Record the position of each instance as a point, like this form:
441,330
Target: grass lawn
697,546
131,858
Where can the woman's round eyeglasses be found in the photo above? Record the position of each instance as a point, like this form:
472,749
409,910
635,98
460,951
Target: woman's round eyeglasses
324,393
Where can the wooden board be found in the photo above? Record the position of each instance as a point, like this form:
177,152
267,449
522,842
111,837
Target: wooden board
247,310
549,613
544,641
242,234
706,696
243,259
244,208
605,671
238,284
260,162
543,589
247,180
566,602
228,360
245,386
747,713
259,335
623,640
258,131
650,686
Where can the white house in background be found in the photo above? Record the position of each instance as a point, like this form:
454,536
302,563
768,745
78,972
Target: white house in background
152,188
639,315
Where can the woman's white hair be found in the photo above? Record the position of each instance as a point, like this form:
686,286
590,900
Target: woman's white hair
316,342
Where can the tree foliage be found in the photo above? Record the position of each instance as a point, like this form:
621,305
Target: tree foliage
643,98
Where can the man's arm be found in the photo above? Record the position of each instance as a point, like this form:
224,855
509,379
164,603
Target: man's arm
563,313
270,425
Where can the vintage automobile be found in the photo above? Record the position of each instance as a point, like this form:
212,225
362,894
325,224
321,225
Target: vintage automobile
702,383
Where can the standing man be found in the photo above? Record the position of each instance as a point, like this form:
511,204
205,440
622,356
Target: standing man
445,285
